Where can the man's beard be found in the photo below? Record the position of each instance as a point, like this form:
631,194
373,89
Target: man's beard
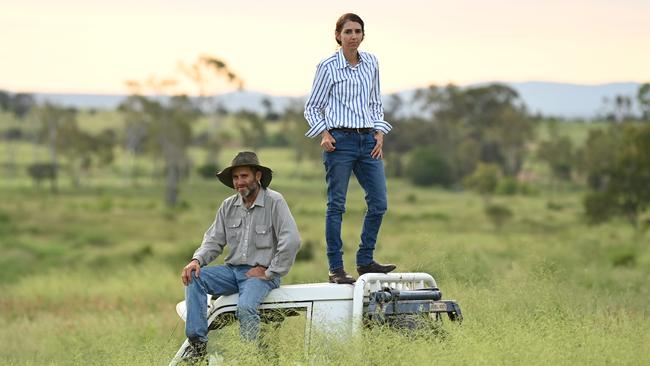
249,190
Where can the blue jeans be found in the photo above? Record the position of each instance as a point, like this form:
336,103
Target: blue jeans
225,280
352,154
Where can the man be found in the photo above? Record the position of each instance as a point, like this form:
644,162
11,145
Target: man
263,240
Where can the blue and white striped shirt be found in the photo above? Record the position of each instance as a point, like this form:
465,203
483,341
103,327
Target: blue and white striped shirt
344,96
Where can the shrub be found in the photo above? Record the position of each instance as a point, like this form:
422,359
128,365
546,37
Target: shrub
507,186
42,171
306,252
141,254
498,214
599,207
485,178
278,139
623,259
411,198
428,167
208,171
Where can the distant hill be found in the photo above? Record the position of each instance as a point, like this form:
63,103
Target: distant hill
549,99
571,100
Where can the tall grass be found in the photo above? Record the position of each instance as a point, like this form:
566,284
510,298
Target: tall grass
91,276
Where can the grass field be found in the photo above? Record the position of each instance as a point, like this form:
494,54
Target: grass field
90,276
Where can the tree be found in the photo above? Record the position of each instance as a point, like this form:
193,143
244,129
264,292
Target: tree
487,123
626,189
51,118
643,97
60,131
269,113
169,120
484,180
21,104
294,126
558,153
408,134
252,128
622,107
135,135
598,156
427,167
9,136
169,125
174,133
209,75
5,100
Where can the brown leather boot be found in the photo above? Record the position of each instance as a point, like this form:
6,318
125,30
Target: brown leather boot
375,267
339,276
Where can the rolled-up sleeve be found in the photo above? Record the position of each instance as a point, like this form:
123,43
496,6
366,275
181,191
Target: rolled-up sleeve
317,102
214,240
375,105
286,232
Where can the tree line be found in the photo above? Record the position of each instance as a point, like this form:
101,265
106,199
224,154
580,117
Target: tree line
458,138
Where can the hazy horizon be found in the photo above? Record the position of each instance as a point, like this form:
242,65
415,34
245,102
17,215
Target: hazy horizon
126,92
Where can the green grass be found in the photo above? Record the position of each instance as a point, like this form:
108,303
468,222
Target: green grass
91,275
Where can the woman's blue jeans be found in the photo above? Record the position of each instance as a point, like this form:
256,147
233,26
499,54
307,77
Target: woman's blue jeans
352,154
225,280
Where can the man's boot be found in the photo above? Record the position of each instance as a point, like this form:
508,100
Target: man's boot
196,353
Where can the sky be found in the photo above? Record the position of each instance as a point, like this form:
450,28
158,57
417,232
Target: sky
92,46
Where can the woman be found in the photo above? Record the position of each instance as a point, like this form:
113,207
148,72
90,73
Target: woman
345,109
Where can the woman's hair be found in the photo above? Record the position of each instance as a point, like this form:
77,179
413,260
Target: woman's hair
348,17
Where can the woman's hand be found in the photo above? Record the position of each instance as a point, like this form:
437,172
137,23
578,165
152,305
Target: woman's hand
327,142
377,152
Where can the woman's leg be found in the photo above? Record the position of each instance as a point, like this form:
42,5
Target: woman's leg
338,168
370,174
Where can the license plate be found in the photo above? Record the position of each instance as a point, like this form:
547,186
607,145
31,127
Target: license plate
439,306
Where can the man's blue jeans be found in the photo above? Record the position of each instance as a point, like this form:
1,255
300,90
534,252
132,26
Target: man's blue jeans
225,280
352,154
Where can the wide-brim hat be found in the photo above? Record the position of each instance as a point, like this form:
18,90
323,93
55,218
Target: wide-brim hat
245,158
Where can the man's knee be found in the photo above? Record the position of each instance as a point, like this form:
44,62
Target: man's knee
196,283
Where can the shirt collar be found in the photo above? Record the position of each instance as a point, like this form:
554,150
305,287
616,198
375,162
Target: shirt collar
343,63
259,200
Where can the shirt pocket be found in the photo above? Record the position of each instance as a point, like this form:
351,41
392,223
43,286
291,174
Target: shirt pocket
263,237
233,231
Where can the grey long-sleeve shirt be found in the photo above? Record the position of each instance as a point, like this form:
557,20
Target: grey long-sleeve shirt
265,234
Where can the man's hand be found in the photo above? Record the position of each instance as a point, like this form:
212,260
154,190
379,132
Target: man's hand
186,275
377,152
327,141
257,271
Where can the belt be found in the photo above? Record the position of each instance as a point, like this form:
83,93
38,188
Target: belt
354,130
